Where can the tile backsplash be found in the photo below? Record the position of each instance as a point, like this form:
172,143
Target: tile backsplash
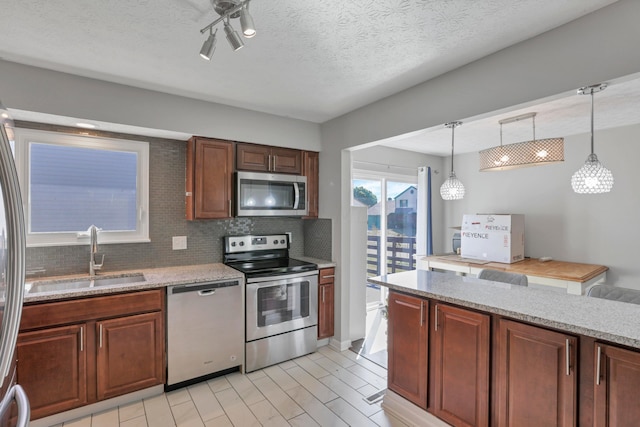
310,237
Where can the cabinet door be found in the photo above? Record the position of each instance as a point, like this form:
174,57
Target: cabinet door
311,171
616,386
286,160
209,178
460,365
253,157
130,354
407,336
52,368
536,376
325,310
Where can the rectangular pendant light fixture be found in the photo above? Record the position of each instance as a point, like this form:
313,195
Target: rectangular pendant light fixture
522,154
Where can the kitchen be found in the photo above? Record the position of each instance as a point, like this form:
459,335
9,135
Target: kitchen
503,89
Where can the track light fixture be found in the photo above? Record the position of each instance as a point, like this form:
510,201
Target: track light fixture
209,45
228,9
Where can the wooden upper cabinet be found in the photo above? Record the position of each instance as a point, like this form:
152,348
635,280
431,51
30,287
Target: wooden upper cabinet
616,385
209,181
264,158
460,342
407,332
311,169
536,376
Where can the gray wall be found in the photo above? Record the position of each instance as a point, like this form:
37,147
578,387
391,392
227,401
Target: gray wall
167,219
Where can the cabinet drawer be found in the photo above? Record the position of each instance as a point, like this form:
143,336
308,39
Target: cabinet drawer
84,309
327,275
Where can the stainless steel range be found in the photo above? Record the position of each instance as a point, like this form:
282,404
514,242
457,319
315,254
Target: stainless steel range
281,299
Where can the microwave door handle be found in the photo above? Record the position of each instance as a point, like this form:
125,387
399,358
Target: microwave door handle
296,192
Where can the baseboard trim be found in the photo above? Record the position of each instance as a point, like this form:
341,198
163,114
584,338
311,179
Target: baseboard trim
103,405
409,413
339,345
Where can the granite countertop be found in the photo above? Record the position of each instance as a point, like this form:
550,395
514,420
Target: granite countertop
155,278
322,263
607,320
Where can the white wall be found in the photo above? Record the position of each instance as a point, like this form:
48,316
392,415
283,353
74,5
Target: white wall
594,229
44,91
594,48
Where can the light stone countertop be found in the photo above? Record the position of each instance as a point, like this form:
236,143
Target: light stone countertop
155,278
612,321
322,263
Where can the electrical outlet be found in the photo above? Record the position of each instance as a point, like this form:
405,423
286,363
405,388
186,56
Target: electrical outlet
179,242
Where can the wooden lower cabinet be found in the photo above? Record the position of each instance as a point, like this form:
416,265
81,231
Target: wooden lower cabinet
326,303
616,385
117,349
407,333
535,376
129,354
459,346
52,369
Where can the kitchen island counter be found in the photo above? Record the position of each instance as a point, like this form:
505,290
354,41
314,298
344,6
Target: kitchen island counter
611,321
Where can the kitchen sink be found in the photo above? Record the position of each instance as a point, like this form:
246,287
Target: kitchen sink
82,283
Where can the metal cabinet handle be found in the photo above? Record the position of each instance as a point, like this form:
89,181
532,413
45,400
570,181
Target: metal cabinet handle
274,162
269,163
323,294
101,335
230,214
81,338
567,356
421,312
436,318
598,365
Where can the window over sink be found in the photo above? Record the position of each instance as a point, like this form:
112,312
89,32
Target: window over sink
70,182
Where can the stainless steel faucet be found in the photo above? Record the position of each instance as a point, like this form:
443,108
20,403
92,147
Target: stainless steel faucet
93,250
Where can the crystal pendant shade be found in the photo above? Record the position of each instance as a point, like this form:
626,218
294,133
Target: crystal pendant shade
592,177
452,189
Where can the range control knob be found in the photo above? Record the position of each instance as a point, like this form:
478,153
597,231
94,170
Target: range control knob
275,242
282,241
241,243
233,244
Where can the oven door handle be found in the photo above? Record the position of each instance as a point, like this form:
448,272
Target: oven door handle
258,280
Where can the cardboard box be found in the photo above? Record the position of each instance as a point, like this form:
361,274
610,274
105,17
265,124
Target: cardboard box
498,238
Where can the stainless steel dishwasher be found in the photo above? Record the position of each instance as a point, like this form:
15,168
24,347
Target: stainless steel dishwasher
205,330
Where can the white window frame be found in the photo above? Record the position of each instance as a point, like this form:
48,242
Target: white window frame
24,137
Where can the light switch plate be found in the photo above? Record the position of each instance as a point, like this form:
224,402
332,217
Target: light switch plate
179,242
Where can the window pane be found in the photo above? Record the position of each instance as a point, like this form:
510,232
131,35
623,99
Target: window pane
401,226
73,187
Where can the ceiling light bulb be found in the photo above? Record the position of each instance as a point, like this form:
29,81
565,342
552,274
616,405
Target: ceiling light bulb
542,154
232,37
504,158
246,22
209,46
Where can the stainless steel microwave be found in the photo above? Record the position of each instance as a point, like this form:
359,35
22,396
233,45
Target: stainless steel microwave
268,194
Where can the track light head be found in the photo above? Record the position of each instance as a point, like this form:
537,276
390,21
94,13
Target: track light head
209,46
246,22
232,36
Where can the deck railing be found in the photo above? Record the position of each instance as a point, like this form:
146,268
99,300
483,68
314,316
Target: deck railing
400,251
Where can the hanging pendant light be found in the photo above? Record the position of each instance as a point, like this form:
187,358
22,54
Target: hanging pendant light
592,177
452,189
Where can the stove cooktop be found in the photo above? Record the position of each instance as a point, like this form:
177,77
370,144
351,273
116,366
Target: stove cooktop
272,267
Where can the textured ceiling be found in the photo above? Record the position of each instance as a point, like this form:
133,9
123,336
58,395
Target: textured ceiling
312,60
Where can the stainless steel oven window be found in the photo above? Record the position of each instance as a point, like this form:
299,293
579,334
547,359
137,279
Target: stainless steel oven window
282,303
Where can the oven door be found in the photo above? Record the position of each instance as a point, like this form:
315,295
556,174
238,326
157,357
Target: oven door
276,305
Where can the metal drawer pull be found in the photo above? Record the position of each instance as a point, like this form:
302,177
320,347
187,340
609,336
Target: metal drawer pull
567,356
81,338
101,335
598,365
436,320
331,276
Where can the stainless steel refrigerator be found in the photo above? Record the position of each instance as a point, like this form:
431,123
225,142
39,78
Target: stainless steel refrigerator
12,271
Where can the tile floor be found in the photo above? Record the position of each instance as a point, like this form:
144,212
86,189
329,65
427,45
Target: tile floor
325,388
